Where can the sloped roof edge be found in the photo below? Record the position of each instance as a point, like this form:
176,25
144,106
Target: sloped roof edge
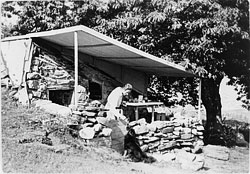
106,39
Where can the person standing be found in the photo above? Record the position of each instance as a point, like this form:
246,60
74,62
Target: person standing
115,100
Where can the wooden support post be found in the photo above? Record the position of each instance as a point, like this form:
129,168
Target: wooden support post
76,66
199,101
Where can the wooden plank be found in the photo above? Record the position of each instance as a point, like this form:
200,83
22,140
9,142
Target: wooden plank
76,65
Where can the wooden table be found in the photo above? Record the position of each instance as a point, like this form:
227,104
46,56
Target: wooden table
138,105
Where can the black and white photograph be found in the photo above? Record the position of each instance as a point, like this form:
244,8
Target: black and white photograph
125,86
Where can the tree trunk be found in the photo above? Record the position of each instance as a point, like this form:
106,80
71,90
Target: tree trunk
211,100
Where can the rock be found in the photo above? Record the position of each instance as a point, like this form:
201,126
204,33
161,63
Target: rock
141,129
106,132
187,149
186,130
92,108
142,121
77,113
153,145
151,139
140,137
164,141
132,123
160,134
118,133
102,120
87,125
33,84
167,130
198,147
216,152
96,103
60,148
201,137
176,124
144,148
190,161
194,131
59,72
87,133
159,124
168,157
200,128
199,133
182,155
97,127
186,136
36,94
55,109
92,120
33,76
89,114
152,127
22,96
169,145
140,142
102,114
178,129
177,133
101,141
187,144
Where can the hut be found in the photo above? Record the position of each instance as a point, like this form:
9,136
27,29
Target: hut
79,56
69,64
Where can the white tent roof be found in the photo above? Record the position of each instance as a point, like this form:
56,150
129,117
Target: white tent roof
105,48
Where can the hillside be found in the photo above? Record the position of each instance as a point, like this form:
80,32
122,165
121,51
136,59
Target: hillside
23,152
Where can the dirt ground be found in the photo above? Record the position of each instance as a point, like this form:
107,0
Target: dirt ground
34,157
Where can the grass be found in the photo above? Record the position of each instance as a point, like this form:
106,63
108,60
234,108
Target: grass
18,125
21,123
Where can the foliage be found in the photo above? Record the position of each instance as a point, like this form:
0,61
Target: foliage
173,90
205,35
208,36
221,135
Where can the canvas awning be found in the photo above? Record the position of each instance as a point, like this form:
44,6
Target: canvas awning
105,48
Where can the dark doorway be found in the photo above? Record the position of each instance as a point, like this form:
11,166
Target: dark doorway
61,97
95,90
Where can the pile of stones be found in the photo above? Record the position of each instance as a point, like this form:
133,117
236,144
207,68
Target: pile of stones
87,123
165,136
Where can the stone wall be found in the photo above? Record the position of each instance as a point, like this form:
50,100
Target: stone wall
52,71
163,136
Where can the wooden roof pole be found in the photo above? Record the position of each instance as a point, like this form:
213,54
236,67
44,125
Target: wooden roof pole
76,66
199,101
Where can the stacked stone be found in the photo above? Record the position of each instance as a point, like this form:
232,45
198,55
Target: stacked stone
90,125
164,136
46,73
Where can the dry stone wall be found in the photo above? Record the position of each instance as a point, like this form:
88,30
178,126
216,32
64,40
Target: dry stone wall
164,136
52,71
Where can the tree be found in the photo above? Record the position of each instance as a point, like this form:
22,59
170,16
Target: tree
210,37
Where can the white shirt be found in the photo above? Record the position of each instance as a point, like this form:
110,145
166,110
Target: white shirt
114,100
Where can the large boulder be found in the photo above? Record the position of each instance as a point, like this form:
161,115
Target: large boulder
53,108
190,161
216,152
118,134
